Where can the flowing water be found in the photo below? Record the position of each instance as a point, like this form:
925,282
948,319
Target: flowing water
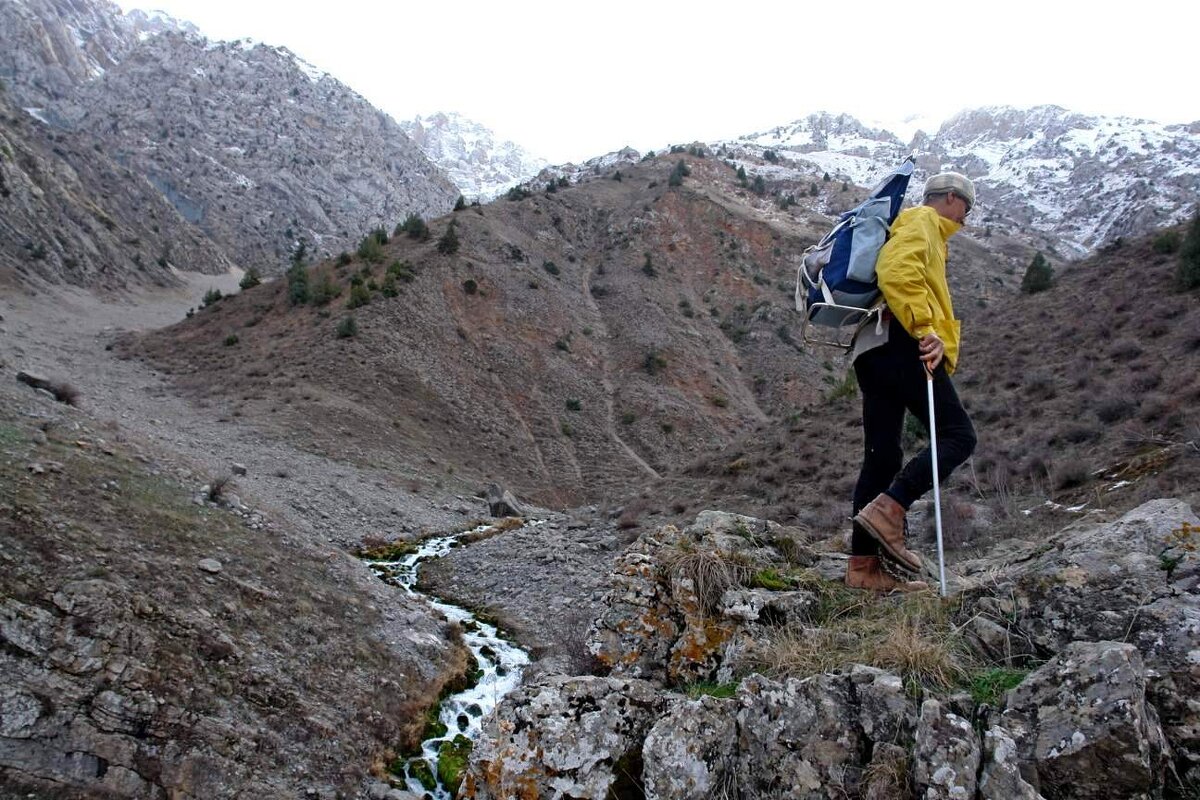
500,664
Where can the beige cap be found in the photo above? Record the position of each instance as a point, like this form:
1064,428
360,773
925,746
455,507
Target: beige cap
951,182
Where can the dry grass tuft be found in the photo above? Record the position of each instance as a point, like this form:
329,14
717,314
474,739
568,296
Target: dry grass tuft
712,572
913,636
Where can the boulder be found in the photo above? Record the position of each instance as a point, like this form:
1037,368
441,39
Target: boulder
1084,727
1134,580
798,739
501,502
564,737
690,752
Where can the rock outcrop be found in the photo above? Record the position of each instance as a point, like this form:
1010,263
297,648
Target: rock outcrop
1099,719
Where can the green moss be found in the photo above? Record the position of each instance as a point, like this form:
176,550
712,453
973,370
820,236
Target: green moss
770,579
452,762
419,769
388,552
990,685
721,690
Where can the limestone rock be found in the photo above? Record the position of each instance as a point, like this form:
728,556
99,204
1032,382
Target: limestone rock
1108,582
946,756
1083,721
1000,776
798,739
564,737
690,752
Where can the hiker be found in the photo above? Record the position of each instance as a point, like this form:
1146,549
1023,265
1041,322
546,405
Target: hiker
917,332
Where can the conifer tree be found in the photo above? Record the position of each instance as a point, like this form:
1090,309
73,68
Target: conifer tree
1187,273
448,244
1038,275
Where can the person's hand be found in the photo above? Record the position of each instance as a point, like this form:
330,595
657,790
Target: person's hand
932,350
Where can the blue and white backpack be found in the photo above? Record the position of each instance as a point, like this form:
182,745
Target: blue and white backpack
835,283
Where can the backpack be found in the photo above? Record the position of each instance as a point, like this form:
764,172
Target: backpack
835,283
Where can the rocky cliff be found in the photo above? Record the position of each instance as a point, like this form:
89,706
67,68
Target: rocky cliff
69,214
252,145
256,148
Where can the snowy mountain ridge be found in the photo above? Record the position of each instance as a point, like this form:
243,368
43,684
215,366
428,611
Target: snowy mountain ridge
469,153
1062,176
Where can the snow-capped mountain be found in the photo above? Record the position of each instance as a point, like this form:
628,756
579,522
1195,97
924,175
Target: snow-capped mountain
1047,174
481,167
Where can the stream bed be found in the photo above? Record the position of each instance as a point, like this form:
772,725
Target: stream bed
499,664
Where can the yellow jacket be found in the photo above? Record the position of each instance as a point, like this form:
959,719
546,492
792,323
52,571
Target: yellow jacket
911,272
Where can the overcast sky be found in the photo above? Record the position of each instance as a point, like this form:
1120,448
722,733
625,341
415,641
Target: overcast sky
571,80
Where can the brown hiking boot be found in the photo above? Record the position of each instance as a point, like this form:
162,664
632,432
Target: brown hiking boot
883,518
865,572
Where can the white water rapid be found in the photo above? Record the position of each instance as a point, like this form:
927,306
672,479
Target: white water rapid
500,664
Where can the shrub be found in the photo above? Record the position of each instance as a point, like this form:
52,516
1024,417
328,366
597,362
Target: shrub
460,203
741,175
470,286
250,279
448,244
370,249
324,291
389,287
231,340
573,404
1166,243
770,155
680,172
359,296
211,297
759,186
551,267
402,270
1039,275
617,176
347,327
628,418
1187,274
415,227
297,278
518,193
1115,409
653,363
648,267
344,259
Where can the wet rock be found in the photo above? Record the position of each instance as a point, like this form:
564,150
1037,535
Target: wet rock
1083,721
946,757
564,737
691,751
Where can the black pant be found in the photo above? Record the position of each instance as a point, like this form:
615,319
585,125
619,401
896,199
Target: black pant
893,379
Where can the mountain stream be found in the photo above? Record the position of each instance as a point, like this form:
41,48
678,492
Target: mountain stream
499,665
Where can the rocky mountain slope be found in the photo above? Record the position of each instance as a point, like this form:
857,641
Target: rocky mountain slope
51,47
255,147
69,214
1066,181
481,167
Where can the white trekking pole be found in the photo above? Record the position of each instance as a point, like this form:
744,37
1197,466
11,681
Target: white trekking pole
937,492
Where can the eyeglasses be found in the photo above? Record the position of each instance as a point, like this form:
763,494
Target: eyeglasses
966,202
